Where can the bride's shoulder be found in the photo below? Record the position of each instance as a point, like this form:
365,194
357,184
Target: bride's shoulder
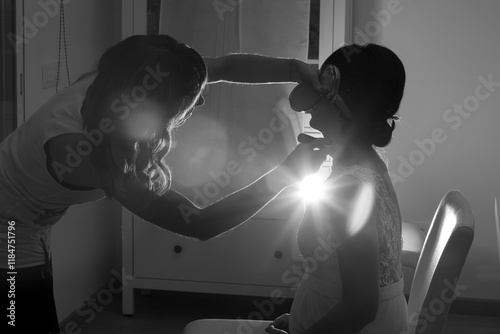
363,172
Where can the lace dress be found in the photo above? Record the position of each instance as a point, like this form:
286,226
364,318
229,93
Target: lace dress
321,288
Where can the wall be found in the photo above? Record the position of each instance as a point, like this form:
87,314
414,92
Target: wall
447,47
86,242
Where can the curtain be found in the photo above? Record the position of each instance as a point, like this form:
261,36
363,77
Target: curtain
8,114
233,131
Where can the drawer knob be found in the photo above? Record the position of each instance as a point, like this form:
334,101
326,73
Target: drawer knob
177,249
278,254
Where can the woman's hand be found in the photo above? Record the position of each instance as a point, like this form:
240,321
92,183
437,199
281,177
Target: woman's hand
279,325
307,157
304,73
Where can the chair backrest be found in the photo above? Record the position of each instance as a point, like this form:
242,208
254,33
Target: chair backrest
443,255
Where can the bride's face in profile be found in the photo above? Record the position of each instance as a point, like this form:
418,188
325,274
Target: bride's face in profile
327,118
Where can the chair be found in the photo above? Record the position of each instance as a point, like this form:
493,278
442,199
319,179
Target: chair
443,255
413,241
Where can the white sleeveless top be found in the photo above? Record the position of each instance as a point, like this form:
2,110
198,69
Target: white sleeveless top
29,195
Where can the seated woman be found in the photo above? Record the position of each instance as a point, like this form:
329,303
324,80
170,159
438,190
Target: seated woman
357,284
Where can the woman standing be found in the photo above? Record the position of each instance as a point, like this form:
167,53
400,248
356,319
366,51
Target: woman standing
108,135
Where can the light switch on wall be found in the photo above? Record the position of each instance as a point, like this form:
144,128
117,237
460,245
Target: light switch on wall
49,74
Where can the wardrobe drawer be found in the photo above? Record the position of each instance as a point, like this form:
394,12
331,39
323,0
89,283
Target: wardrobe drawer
256,253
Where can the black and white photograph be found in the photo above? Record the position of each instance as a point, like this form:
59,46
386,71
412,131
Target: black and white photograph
250,166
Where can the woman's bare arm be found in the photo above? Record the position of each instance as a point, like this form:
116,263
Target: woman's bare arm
176,213
258,69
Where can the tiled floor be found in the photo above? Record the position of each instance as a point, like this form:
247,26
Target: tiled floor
168,313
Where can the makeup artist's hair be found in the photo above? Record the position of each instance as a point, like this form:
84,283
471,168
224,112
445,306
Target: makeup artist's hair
122,161
373,79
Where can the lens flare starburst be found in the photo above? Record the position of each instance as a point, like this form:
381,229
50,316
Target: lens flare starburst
350,205
312,188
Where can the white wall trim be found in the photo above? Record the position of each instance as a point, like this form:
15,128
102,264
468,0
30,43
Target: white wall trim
20,87
335,26
134,17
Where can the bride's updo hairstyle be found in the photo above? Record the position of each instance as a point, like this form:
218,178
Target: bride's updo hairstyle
372,85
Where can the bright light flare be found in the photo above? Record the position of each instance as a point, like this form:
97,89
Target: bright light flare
144,121
362,209
143,125
312,188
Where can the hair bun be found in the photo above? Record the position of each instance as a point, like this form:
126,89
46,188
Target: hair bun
382,132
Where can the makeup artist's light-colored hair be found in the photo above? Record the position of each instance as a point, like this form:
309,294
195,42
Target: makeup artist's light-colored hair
123,162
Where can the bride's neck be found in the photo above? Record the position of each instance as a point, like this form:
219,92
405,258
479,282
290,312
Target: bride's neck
353,154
